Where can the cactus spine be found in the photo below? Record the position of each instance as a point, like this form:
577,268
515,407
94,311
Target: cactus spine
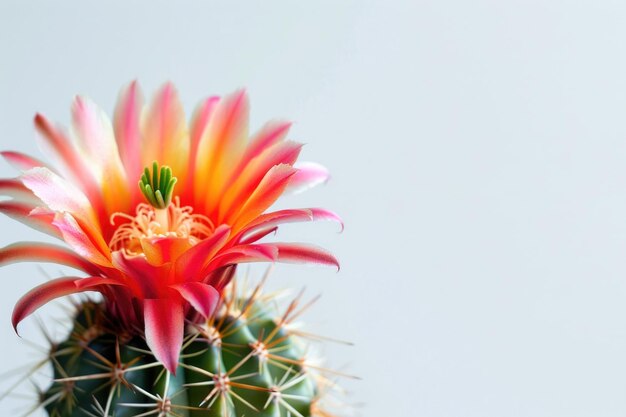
244,362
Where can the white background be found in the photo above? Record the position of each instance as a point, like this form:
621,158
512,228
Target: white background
478,152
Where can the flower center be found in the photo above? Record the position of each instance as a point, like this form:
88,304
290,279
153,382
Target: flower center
163,217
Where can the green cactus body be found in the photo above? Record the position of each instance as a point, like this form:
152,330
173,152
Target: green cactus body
245,362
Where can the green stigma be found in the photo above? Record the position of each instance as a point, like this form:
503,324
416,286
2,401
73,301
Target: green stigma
158,186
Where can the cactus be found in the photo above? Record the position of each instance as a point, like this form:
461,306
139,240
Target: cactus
243,361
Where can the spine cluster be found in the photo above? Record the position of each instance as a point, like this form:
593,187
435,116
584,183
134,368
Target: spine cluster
246,361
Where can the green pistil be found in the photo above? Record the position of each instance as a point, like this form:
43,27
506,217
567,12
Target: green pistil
158,186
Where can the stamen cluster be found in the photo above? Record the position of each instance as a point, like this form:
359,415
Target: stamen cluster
174,221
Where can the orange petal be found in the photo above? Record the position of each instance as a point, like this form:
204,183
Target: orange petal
220,147
160,250
199,124
248,180
269,189
165,136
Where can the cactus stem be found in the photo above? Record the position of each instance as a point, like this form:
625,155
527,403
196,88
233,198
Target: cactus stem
241,361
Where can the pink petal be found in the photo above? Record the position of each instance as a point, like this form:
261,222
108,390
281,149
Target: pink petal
164,319
193,261
54,142
119,302
44,252
242,254
221,277
96,140
128,132
23,213
83,239
22,161
200,122
302,253
256,235
95,135
85,284
271,220
41,295
14,188
58,194
308,175
202,297
144,279
269,135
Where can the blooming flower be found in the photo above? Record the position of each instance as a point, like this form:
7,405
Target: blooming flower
161,251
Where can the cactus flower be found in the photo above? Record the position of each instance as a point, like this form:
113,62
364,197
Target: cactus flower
157,213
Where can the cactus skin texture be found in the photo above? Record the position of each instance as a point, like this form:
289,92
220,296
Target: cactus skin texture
244,362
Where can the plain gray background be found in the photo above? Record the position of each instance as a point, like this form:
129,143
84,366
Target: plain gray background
478,152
